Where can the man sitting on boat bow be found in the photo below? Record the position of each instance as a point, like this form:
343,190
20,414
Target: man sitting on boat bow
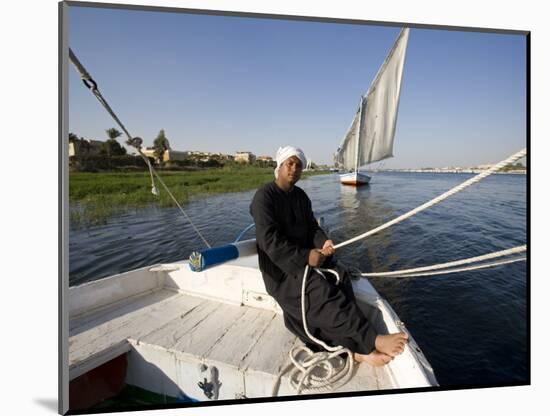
288,238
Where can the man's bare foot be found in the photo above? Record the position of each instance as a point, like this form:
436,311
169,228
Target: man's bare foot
375,358
392,344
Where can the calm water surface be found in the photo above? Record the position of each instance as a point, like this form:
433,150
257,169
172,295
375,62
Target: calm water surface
471,326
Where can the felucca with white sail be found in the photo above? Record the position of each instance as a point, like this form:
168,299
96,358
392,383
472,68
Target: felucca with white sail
370,136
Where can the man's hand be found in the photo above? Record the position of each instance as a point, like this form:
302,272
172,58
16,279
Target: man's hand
316,258
328,248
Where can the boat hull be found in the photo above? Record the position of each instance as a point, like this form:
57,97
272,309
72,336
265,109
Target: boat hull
152,316
354,179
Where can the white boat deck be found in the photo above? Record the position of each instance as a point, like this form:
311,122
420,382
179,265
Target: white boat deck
217,328
251,343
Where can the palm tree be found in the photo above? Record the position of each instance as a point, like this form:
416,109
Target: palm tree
161,144
113,133
111,147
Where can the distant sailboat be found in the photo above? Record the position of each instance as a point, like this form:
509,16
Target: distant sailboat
370,136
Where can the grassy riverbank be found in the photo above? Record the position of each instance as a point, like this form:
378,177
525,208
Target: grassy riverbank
96,196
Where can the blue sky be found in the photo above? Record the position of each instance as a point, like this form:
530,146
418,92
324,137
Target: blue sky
220,83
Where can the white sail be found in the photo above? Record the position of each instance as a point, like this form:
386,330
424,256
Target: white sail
346,155
370,136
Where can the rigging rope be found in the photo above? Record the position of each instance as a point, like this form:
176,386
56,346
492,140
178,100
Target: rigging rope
451,264
132,141
181,209
438,199
453,270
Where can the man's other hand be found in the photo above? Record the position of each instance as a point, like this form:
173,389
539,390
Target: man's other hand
328,248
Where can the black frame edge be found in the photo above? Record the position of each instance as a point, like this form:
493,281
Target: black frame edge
63,261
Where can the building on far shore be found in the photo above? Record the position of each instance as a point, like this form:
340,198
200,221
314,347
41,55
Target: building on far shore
169,155
266,161
483,167
245,157
80,147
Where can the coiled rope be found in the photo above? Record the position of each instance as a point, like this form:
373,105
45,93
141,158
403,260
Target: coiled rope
316,371
132,141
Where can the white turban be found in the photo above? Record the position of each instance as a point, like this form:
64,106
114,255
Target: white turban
286,152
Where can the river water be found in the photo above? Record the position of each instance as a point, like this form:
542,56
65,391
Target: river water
472,326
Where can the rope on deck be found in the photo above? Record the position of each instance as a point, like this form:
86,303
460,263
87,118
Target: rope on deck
321,371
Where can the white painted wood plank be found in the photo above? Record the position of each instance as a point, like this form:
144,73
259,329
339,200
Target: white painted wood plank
100,293
126,306
158,370
241,337
364,379
200,339
227,283
231,380
384,379
100,358
168,335
259,383
136,324
270,353
175,373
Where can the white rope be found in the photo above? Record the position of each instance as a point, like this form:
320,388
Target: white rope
316,371
303,375
135,142
489,256
318,341
319,371
451,270
438,199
